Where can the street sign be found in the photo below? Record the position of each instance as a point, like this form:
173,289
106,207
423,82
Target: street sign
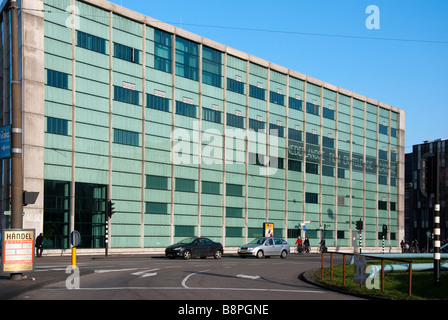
5,142
75,238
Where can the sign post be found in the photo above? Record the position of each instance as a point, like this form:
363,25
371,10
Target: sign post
75,240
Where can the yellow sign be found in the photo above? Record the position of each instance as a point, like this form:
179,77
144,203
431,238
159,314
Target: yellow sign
18,250
268,229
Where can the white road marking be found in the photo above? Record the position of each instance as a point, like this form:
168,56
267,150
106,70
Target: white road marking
191,274
248,277
114,270
144,274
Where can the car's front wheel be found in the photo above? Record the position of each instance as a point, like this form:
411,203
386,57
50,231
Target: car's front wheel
218,254
187,254
260,254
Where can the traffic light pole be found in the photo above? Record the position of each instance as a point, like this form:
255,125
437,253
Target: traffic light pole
437,224
106,239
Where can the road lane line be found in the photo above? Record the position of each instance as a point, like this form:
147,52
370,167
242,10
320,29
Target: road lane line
191,274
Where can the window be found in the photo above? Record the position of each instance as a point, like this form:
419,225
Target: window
235,86
232,212
382,180
382,205
257,92
126,95
294,165
393,206
91,42
211,115
276,130
209,187
234,232
276,162
295,103
294,134
234,120
382,154
235,190
185,109
57,79
129,138
156,207
157,103
156,182
312,108
327,171
186,185
126,53
341,173
328,142
211,67
162,51
383,129
187,59
57,126
312,138
393,132
257,159
277,98
312,168
311,197
184,231
328,113
256,125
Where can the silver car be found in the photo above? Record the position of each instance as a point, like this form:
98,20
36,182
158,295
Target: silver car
265,247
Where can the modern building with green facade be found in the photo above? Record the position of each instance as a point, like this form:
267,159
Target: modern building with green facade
189,137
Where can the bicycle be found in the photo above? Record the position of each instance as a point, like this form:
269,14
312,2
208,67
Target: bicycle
307,249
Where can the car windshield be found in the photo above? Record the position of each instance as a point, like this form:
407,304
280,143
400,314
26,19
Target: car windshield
187,240
257,241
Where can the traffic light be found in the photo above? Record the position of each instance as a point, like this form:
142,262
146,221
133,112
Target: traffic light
109,208
359,225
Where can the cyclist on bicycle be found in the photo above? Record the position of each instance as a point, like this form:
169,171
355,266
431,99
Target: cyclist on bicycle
299,245
307,245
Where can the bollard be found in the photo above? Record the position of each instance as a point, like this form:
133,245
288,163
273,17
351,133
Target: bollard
73,258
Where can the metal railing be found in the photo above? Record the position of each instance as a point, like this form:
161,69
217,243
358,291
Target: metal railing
344,273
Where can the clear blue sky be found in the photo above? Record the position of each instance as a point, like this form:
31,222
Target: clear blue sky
329,40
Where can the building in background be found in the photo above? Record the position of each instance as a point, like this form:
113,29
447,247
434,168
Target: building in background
189,137
419,208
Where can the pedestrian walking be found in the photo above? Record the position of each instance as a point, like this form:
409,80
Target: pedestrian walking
39,245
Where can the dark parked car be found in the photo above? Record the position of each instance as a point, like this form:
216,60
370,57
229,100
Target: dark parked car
195,247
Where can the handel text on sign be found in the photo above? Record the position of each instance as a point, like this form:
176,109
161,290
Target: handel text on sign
18,250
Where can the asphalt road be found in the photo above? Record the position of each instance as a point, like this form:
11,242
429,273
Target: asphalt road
158,278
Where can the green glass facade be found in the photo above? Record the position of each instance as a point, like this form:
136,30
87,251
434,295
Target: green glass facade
163,122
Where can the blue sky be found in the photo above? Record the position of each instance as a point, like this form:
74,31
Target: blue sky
403,63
